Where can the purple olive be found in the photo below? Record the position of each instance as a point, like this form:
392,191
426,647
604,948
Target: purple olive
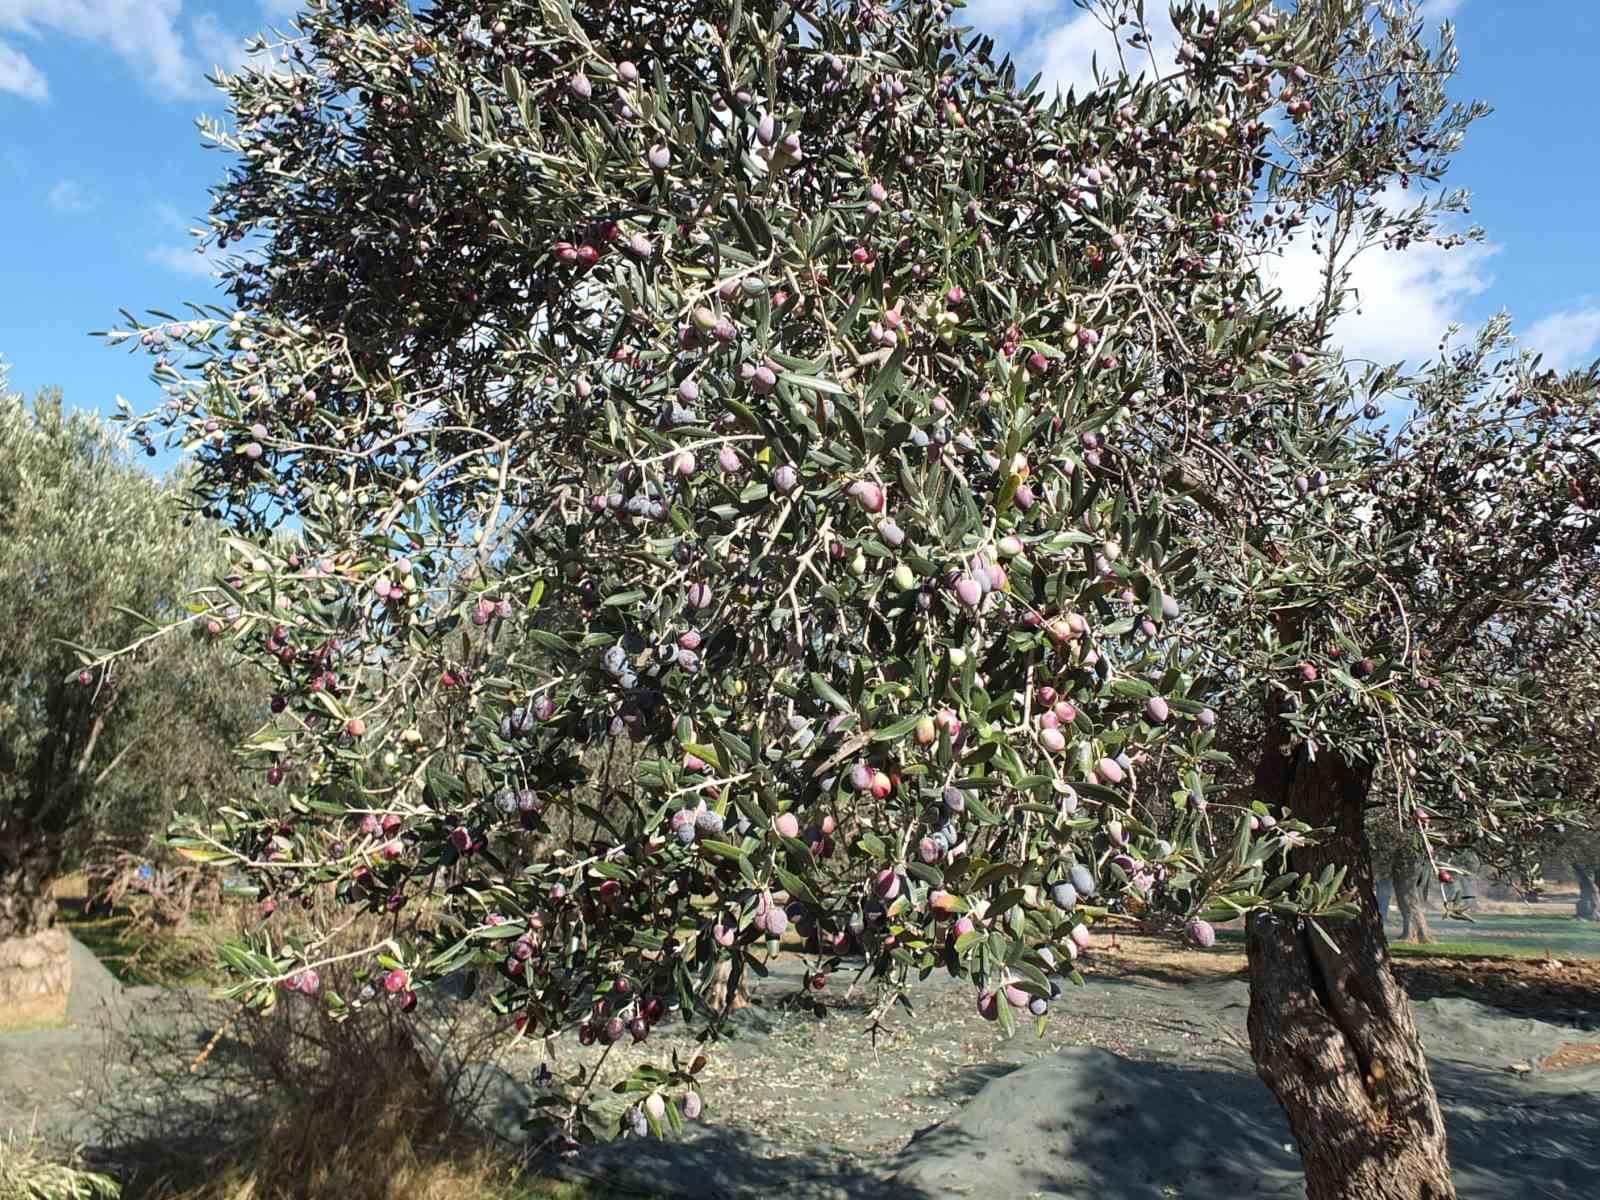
1082,879
868,495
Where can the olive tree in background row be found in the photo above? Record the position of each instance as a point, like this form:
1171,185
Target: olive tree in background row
1538,648
913,469
97,757
1557,655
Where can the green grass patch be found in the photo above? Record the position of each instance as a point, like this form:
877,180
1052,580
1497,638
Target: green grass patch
138,959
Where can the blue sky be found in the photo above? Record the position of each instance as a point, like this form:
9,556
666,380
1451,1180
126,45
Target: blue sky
102,171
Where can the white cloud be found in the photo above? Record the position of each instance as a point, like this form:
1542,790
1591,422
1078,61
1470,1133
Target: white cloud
1440,10
1570,338
69,196
220,48
184,258
1404,299
999,18
148,35
19,76
1068,54
1064,41
143,33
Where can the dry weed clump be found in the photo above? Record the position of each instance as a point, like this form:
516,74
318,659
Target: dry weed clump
26,1173
385,1138
297,1100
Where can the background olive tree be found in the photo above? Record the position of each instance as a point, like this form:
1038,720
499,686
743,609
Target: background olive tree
94,549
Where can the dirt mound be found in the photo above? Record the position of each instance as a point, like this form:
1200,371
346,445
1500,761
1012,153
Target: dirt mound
1143,1088
93,987
1086,1122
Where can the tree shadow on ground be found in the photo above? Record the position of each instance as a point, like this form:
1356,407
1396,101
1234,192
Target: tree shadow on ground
730,1164
1078,1123
968,1082
1089,1123
1537,1136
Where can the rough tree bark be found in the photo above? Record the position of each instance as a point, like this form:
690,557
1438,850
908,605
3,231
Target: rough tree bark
35,829
27,870
1330,1028
1409,883
1588,893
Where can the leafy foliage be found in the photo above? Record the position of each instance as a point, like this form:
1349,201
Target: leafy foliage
91,551
912,470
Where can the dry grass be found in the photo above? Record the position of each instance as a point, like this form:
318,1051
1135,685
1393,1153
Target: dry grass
1573,1056
1164,961
27,1174
357,1110
389,1164
378,1134
71,887
35,1012
298,1102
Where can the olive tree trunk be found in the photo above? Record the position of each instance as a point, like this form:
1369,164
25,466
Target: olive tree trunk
27,869
1588,894
1330,1028
1411,898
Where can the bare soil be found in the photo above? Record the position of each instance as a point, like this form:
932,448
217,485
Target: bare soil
813,1087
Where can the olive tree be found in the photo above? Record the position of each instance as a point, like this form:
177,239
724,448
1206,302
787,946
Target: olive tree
93,551
901,462
1364,638
1546,649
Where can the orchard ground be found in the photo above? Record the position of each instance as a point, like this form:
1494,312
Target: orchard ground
806,1102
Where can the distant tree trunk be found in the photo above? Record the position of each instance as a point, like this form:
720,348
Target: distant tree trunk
1408,885
35,832
1467,882
27,869
720,993
1385,898
1330,1028
1588,894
